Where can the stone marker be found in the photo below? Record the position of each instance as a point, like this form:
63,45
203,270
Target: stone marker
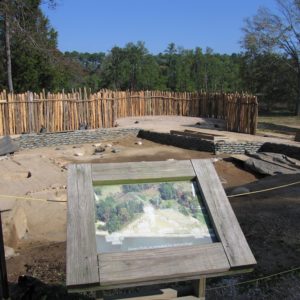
99,149
78,154
8,146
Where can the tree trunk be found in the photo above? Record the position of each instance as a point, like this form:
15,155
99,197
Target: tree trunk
297,106
297,110
8,54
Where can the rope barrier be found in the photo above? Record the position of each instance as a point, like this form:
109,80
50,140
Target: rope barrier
229,196
253,280
264,190
30,198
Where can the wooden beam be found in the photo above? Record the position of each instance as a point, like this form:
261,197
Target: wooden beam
82,265
115,173
204,133
199,288
225,222
161,264
153,282
164,294
297,136
192,134
188,298
200,135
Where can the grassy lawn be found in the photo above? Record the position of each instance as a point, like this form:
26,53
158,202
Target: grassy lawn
291,121
283,124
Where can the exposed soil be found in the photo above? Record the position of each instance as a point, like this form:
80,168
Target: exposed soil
269,220
41,252
45,261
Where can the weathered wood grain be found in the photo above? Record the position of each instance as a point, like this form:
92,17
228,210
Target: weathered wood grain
205,135
200,135
142,171
188,298
161,264
297,136
199,287
53,109
165,294
82,265
160,281
223,217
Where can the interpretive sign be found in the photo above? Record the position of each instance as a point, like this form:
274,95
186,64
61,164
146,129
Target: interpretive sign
150,215
150,222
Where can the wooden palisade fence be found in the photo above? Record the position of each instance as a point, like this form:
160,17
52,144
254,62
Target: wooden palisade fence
28,112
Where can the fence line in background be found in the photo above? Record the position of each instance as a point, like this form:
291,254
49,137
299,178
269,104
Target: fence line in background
29,112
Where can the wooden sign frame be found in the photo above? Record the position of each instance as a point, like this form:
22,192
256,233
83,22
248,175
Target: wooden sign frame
87,269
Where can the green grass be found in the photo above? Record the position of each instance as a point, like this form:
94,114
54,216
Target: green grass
291,121
283,124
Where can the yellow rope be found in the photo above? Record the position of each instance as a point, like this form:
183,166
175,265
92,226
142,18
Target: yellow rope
29,198
253,280
230,196
265,190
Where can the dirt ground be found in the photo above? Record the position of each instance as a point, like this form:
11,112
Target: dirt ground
41,249
265,133
36,229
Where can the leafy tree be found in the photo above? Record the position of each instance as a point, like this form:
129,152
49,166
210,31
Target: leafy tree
185,60
31,47
197,69
127,188
113,224
269,32
171,63
269,76
115,214
167,191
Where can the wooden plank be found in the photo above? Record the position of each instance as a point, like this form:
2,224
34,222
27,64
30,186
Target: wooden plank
164,294
199,287
160,281
188,298
205,133
222,215
161,264
297,136
199,135
142,171
82,265
192,134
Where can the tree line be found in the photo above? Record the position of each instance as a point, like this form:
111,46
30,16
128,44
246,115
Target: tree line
30,60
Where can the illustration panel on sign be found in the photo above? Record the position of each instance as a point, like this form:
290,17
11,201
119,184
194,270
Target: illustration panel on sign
150,215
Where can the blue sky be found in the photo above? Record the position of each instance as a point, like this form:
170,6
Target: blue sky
98,25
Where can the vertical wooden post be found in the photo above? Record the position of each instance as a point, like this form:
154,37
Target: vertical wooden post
99,295
30,115
3,272
199,288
